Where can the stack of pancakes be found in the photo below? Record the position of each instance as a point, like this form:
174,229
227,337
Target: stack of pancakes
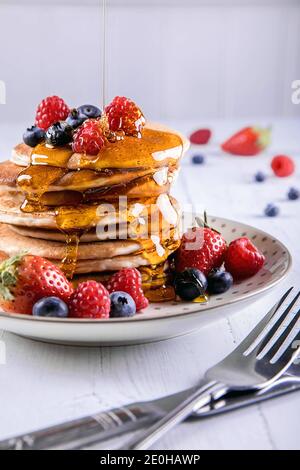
95,215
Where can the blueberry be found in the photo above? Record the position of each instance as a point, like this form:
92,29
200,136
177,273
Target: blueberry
33,136
50,307
89,111
122,305
59,134
198,159
75,119
260,177
271,210
190,284
219,282
293,194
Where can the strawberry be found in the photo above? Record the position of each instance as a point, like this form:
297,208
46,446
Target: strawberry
24,279
200,137
129,280
90,300
243,259
202,248
283,166
248,141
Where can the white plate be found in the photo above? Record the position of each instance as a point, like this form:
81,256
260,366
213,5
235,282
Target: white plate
163,320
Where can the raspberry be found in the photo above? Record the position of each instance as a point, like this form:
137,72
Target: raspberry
51,110
129,280
90,300
283,166
88,138
123,114
243,259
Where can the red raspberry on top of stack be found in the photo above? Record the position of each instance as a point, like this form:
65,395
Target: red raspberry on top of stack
51,110
88,138
124,115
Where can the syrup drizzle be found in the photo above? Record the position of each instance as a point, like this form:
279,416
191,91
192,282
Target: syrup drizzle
103,54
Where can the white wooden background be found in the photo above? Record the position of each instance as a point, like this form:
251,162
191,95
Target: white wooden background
179,59
44,384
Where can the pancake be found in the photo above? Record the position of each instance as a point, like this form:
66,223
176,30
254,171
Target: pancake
12,243
72,180
151,278
10,212
153,250
56,235
110,264
100,215
92,265
93,183
9,173
111,233
21,154
90,186
159,146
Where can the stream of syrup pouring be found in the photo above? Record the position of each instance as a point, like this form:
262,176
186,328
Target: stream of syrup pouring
48,165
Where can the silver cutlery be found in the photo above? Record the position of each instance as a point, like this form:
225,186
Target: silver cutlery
261,358
106,425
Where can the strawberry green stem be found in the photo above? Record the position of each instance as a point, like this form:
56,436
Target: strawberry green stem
203,223
9,275
264,136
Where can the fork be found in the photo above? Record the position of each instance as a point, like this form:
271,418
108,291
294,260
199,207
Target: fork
256,363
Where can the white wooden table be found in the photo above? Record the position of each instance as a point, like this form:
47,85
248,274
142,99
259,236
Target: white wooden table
42,384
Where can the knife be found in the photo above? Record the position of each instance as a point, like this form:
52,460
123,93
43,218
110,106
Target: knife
102,426
237,400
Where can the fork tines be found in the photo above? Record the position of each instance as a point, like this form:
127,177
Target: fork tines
267,348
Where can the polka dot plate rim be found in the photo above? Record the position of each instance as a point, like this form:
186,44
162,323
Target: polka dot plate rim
277,266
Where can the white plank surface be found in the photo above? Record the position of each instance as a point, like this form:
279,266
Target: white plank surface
44,384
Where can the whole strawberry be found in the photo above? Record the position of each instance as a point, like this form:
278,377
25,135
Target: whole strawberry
129,280
90,300
24,279
248,141
200,137
88,138
243,259
202,248
124,115
51,110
